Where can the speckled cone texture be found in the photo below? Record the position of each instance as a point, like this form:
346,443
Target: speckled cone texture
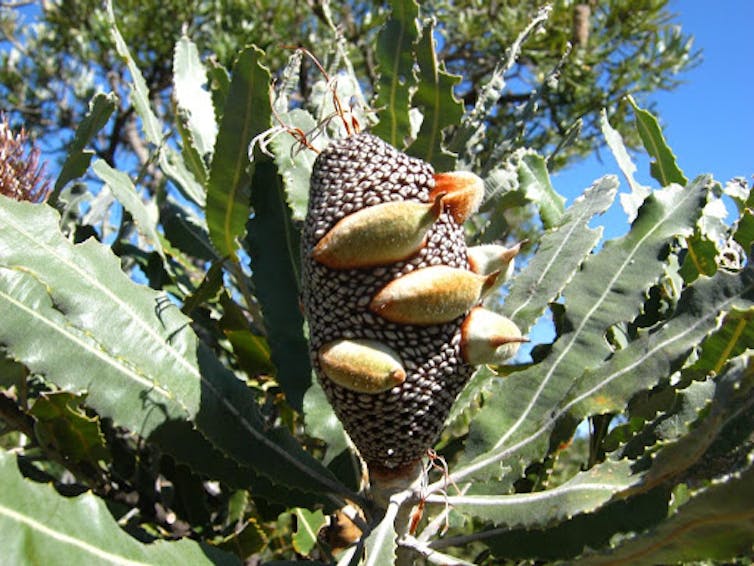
392,429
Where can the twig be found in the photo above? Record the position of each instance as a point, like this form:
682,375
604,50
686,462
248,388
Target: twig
431,554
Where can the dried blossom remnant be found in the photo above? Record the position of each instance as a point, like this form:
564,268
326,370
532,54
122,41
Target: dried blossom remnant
22,177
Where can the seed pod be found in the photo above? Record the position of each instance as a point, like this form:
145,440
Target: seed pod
489,338
364,366
464,192
431,295
378,235
489,258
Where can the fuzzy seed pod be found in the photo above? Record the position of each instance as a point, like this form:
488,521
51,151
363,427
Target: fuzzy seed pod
489,258
378,235
364,366
432,295
392,429
489,338
464,192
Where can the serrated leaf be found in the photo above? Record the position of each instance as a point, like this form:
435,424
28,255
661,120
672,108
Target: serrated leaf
650,358
38,526
186,231
381,544
609,288
734,337
189,78
321,422
294,162
77,161
274,250
394,54
247,113
632,200
744,233
534,181
308,524
583,493
732,397
208,289
250,540
715,524
62,425
470,132
139,91
124,190
252,352
561,251
664,167
173,165
567,539
149,366
434,97
700,258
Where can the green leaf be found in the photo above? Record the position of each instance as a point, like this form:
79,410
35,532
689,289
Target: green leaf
249,541
395,48
381,544
700,258
208,289
714,521
247,113
189,78
274,249
186,231
650,358
583,493
62,425
610,288
77,161
294,162
664,168
139,91
150,368
567,539
38,526
124,190
322,423
631,201
732,398
534,181
308,524
734,337
441,109
560,253
471,130
715,524
185,180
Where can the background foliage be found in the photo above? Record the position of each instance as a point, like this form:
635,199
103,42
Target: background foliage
157,405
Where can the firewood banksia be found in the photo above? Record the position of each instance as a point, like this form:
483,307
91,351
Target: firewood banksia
386,287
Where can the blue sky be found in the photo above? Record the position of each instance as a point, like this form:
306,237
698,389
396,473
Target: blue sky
709,120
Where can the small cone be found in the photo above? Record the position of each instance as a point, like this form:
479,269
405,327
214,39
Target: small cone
364,366
378,235
431,295
489,258
464,193
489,338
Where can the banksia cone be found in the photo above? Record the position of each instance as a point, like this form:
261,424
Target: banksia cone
386,288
